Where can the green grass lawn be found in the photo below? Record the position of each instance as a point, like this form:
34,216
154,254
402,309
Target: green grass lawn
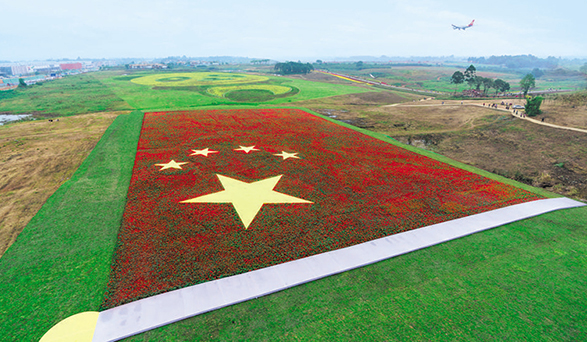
67,96
521,281
147,98
110,91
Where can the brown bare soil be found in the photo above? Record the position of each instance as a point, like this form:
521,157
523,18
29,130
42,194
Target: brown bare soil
37,157
357,109
545,157
564,115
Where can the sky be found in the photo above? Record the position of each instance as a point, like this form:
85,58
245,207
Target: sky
289,30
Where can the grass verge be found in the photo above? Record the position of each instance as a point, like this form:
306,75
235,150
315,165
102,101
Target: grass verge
50,152
59,265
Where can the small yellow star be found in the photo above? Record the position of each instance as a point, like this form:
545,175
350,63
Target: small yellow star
171,165
246,149
205,152
286,155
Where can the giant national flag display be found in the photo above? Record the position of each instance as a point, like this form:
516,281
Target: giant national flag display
216,193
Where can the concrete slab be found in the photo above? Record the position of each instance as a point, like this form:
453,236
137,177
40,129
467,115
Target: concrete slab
145,314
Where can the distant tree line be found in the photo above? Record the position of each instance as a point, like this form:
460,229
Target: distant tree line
289,68
260,61
518,62
474,81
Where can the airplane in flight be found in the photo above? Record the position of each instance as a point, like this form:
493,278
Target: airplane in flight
455,27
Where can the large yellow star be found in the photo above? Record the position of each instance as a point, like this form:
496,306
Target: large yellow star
247,198
171,165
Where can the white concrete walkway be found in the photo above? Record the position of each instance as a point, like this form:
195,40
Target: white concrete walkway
166,308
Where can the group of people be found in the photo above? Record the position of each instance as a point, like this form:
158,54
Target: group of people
507,107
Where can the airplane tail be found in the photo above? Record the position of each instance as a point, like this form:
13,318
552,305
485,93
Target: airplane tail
471,24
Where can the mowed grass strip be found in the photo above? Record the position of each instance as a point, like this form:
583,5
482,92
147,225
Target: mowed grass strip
71,95
59,265
37,157
521,281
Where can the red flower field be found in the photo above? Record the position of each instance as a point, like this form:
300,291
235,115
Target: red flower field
349,187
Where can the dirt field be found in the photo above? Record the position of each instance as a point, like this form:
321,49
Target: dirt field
492,140
562,115
37,157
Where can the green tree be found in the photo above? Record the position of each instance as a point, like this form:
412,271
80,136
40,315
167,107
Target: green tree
501,86
470,73
457,78
21,83
289,68
487,84
359,65
527,83
583,69
475,81
537,73
532,107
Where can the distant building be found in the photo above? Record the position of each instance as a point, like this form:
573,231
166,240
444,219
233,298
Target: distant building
147,66
15,70
71,66
46,69
20,70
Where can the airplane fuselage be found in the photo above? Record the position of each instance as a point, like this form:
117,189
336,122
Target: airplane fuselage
455,27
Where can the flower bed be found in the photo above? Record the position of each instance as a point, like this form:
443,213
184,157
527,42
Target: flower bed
360,189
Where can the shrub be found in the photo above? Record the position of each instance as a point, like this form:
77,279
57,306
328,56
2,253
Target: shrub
533,105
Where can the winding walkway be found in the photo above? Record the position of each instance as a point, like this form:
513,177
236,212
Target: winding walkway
500,109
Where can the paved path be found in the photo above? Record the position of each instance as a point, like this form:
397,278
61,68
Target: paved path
149,313
552,125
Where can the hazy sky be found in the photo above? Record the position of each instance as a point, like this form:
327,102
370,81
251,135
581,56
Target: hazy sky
289,30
